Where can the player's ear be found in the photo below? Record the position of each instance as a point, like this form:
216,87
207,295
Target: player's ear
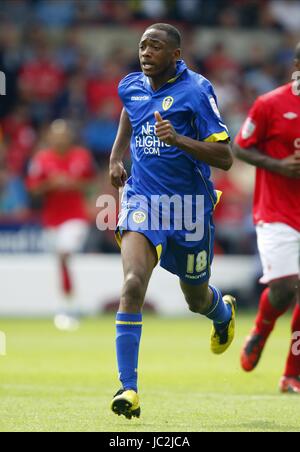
177,54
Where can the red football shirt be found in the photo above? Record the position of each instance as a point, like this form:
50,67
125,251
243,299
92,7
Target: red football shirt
41,79
273,127
61,205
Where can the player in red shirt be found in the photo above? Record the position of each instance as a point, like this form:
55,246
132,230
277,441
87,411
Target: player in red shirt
270,140
60,175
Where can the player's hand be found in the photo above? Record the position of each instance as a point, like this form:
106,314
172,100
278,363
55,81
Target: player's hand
117,173
164,130
290,166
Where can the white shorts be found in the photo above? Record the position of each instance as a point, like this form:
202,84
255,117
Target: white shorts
279,249
67,238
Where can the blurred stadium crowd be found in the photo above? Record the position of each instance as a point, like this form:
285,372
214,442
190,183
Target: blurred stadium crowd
51,73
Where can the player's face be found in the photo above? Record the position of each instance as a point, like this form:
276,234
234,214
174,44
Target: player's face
156,53
60,140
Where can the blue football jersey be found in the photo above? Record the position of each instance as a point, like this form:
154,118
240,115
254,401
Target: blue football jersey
189,103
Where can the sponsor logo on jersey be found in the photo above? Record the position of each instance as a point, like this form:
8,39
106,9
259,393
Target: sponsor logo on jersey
149,142
248,129
167,103
140,98
290,115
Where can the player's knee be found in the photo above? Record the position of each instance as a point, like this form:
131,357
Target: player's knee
64,257
192,305
283,293
133,291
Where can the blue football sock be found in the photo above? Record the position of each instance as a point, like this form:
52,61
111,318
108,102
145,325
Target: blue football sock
129,330
219,312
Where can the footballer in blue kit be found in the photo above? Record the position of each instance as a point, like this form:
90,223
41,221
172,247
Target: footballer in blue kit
172,123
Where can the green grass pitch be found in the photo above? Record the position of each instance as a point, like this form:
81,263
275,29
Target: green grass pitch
53,381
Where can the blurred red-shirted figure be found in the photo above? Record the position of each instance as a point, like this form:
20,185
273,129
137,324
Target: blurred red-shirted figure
270,140
60,174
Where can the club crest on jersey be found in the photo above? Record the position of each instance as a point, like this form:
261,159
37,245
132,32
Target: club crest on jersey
167,103
139,217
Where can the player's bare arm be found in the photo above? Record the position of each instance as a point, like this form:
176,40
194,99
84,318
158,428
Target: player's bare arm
69,183
45,187
61,183
218,155
118,174
287,167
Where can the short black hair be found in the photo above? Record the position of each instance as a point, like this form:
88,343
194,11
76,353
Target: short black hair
172,32
297,52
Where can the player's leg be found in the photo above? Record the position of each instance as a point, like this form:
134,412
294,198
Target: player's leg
66,319
139,258
278,246
290,382
190,257
70,239
208,301
274,302
65,274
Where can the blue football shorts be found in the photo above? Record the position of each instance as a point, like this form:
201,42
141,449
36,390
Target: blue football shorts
190,260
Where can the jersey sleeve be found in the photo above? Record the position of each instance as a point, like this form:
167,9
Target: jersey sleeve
254,129
207,116
124,85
